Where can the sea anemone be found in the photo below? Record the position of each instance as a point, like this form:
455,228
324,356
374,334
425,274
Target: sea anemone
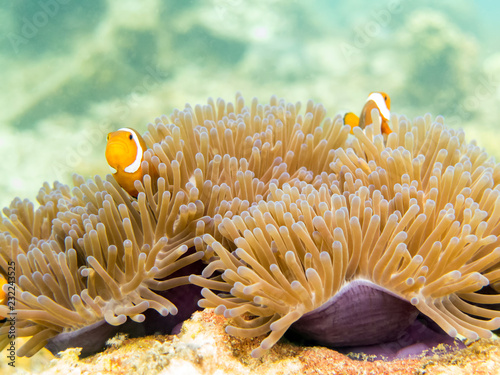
414,216
346,240
87,261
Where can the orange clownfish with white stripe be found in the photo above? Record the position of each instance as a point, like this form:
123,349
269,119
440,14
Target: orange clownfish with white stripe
125,153
380,101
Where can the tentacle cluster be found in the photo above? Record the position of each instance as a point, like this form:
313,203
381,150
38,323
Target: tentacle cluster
285,208
88,255
415,212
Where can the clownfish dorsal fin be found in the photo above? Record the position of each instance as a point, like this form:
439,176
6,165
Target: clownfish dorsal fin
134,167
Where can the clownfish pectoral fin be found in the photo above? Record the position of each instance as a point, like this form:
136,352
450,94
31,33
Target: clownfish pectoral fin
352,120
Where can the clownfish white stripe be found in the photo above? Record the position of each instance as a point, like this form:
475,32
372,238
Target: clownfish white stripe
134,167
113,170
380,102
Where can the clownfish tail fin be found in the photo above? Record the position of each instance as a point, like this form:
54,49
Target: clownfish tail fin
351,119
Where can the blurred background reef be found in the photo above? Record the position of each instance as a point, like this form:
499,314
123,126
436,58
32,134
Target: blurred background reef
73,71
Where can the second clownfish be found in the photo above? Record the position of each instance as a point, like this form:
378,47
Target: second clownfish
125,153
378,100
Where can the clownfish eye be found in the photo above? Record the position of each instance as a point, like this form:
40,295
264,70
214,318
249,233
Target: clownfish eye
385,97
130,137
107,137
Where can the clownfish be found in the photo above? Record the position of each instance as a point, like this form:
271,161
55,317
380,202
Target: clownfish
125,153
378,100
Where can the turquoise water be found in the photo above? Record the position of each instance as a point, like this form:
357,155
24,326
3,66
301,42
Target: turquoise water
73,71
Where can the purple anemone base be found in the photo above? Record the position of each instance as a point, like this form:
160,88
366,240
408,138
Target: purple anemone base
366,318
92,339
